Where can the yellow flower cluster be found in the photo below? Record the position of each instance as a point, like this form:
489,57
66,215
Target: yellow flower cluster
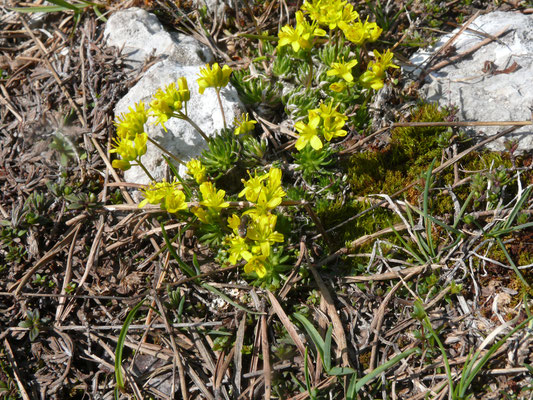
131,139
168,103
196,170
361,32
213,200
168,194
252,243
375,74
301,36
132,123
214,77
325,121
330,13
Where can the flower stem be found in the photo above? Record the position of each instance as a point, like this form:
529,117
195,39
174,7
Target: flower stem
190,121
221,108
145,170
310,76
166,151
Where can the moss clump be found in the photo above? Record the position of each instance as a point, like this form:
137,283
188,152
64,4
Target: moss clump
332,213
409,153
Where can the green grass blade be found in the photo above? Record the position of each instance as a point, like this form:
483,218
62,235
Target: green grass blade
505,231
515,268
463,210
120,345
340,371
327,349
188,270
307,378
442,351
406,245
382,368
420,242
518,206
427,221
475,370
45,9
312,332
350,392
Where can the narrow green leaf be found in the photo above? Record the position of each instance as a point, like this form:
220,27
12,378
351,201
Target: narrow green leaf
382,368
306,373
327,350
120,345
427,221
516,209
340,371
475,370
188,270
515,268
312,332
350,392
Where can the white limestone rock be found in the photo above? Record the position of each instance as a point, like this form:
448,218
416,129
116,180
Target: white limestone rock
486,96
181,139
141,34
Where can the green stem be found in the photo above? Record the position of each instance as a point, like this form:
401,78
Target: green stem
166,151
140,164
217,90
184,117
310,76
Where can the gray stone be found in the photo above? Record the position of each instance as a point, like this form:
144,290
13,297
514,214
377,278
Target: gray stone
181,139
141,34
481,95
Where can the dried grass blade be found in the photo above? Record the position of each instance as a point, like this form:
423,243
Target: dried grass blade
289,326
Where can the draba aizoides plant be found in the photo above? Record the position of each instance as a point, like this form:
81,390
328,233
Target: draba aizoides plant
324,60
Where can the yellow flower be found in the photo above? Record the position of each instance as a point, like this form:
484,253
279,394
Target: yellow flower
175,201
201,213
244,125
214,77
183,89
233,223
308,132
132,123
166,103
270,195
332,121
238,249
374,76
354,32
261,231
293,36
348,14
252,187
338,86
360,33
301,36
211,197
372,31
129,150
256,264
343,70
196,170
165,193
330,13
